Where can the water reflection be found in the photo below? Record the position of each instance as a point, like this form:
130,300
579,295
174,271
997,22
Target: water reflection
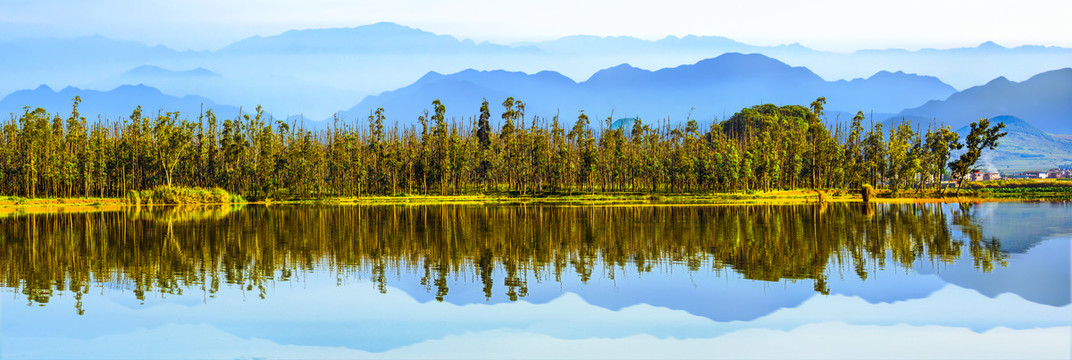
172,250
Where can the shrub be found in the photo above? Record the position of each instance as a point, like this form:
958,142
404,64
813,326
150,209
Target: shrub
866,192
134,197
180,195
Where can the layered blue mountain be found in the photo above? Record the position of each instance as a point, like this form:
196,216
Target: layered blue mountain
379,38
986,48
114,104
150,71
1044,100
589,44
711,88
319,71
49,51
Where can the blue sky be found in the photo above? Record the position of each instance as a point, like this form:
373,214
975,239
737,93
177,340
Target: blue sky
835,25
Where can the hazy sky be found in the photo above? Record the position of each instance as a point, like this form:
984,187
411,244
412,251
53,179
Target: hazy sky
837,25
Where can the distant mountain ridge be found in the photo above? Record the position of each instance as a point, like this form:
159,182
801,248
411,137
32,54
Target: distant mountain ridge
150,71
309,70
985,47
1044,100
381,37
706,89
591,43
113,104
1025,147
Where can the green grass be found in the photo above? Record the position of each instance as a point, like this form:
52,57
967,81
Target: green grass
1026,189
999,190
622,198
175,195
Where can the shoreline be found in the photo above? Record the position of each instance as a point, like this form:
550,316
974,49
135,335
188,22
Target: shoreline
12,205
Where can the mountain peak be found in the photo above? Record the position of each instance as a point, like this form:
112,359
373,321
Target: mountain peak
1043,100
615,74
990,45
741,61
1000,80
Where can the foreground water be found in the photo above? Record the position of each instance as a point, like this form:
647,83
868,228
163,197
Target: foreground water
974,281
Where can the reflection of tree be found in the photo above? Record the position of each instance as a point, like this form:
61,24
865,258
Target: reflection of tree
985,252
169,251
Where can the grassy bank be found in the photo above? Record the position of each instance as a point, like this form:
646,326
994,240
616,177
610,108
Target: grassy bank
1001,190
158,196
174,195
772,197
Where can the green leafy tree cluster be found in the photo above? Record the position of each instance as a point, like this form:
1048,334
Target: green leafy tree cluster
760,148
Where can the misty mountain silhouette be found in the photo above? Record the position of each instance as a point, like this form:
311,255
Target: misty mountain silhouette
384,37
1044,100
709,88
150,71
322,64
114,104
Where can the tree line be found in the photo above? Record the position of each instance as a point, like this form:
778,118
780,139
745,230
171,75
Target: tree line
764,147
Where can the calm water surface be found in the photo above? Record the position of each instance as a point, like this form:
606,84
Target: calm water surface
987,280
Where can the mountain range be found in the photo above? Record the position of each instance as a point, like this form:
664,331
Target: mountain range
709,89
1025,147
113,104
319,71
379,38
1044,100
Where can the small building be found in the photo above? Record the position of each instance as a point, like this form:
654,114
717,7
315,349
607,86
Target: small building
977,175
1032,175
1059,173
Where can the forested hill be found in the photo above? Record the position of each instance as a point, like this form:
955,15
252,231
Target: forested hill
707,89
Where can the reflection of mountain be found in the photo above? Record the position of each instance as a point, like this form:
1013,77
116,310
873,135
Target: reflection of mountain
1019,226
707,89
1040,275
719,262
1036,237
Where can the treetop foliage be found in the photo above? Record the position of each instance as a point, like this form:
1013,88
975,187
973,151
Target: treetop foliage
763,147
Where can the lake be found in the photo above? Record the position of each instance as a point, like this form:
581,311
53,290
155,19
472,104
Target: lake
838,280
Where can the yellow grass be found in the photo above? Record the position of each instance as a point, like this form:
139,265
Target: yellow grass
10,205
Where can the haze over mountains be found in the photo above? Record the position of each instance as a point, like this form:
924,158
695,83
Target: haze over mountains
1044,100
114,104
317,72
711,88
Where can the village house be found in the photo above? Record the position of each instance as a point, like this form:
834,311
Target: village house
977,175
1030,175
1059,173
